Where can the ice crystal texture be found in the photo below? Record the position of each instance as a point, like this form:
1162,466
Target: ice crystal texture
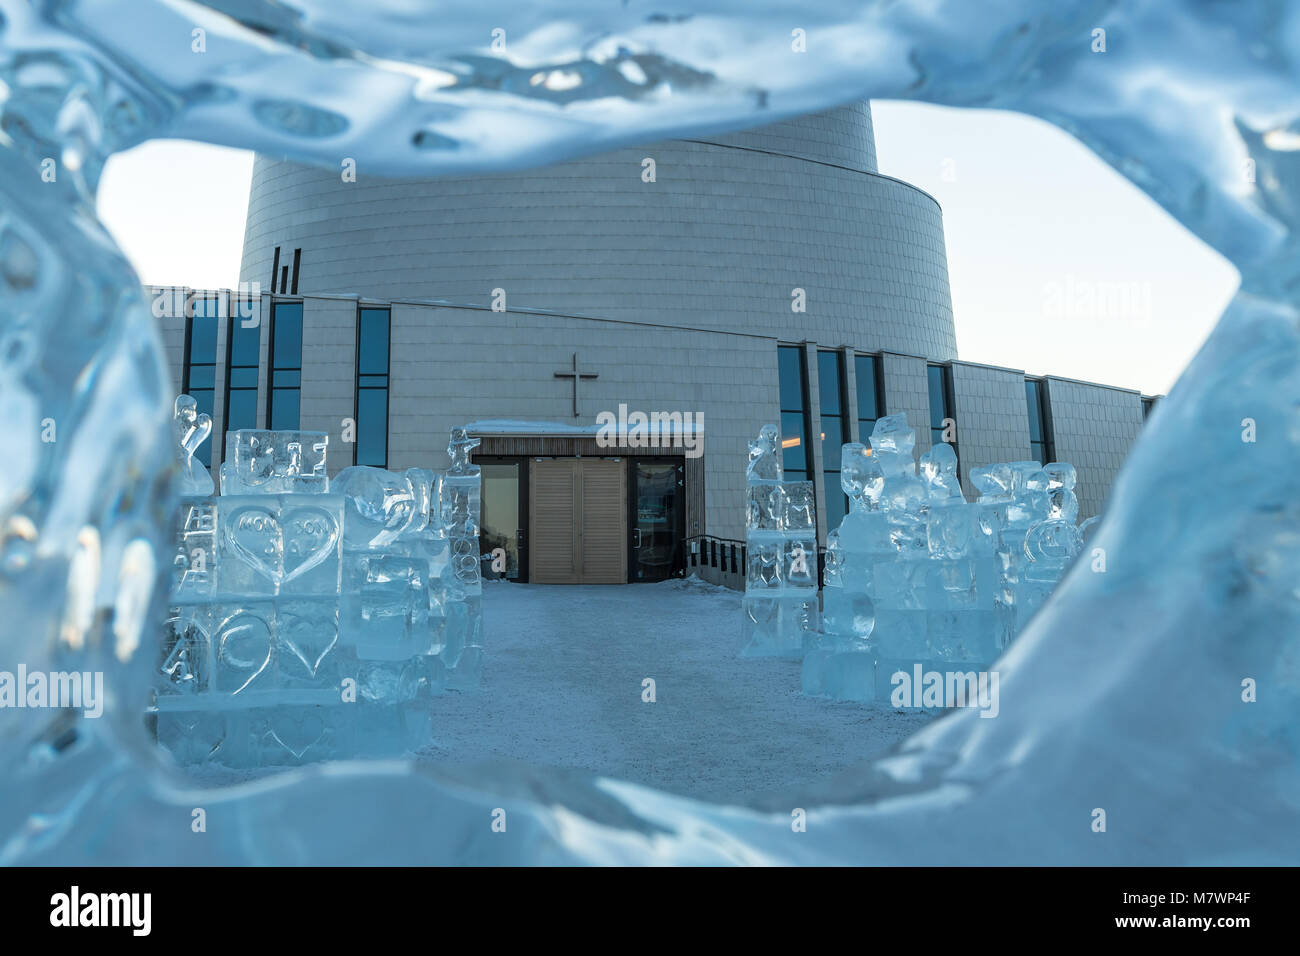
1124,692
311,619
917,575
780,603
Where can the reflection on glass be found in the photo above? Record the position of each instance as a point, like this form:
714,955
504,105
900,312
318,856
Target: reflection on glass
201,363
830,382
286,365
657,533
372,388
794,414
499,517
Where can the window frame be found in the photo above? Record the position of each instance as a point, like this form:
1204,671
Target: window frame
804,412
357,386
188,363
846,433
878,376
231,318
1048,439
949,399
271,367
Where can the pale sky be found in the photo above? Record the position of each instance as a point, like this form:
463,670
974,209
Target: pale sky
1057,264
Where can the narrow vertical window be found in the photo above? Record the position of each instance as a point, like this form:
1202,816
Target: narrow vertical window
372,387
793,384
200,372
243,357
942,406
1040,422
871,394
286,366
275,270
834,433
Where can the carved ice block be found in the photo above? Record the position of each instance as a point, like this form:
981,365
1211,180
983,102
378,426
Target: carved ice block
264,462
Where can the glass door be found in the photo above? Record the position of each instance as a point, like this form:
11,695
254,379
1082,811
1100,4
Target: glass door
502,519
658,518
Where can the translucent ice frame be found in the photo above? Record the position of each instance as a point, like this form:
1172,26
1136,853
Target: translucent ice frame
1125,692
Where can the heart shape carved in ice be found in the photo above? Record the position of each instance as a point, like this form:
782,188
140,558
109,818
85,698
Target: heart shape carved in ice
308,639
297,732
282,548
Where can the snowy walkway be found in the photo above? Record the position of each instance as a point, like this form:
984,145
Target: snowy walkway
562,688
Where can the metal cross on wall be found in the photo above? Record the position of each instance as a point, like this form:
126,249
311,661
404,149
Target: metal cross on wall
577,376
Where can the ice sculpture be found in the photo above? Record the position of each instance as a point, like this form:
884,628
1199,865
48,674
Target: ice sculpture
780,603
191,430
310,621
1123,691
915,575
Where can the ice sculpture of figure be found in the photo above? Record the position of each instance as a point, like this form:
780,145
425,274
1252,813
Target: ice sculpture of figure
458,501
1051,543
311,619
192,430
780,603
916,575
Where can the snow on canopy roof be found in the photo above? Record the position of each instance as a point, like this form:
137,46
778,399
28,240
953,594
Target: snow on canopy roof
515,426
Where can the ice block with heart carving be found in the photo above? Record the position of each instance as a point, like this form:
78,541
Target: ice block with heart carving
313,619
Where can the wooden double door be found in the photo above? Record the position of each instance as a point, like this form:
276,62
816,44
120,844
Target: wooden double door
578,514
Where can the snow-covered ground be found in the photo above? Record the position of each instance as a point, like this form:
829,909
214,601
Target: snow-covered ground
563,688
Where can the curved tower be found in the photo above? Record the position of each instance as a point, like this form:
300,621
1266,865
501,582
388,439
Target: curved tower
710,233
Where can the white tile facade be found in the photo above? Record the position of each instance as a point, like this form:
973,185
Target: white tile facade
1094,427
992,417
906,392
728,229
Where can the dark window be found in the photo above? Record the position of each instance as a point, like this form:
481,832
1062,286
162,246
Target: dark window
713,554
297,261
871,394
1040,422
834,433
1147,405
200,378
942,407
733,558
286,366
243,358
793,383
372,387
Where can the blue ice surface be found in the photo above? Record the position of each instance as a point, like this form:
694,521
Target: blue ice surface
917,577
1164,691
